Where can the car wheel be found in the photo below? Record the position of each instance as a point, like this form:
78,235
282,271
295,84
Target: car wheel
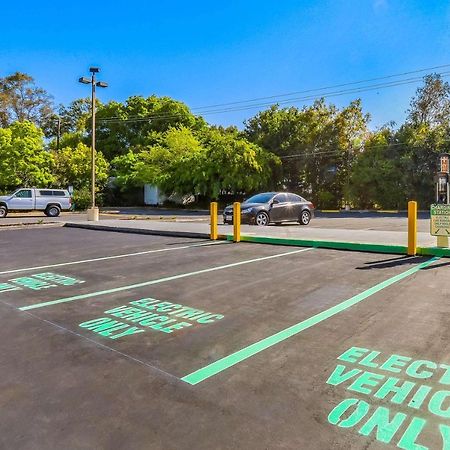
3,212
52,211
262,219
305,217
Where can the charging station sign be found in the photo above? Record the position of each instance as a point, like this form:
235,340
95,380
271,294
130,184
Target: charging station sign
440,220
444,163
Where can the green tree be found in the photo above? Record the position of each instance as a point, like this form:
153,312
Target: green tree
424,135
21,100
376,179
155,164
431,104
77,115
139,122
23,158
230,163
316,145
72,166
205,163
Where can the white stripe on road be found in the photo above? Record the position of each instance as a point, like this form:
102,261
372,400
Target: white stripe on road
159,280
105,258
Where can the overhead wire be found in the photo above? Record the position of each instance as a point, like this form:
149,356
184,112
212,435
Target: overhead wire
323,153
116,119
325,87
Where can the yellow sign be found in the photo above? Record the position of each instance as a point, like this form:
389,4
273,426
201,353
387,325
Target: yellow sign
440,220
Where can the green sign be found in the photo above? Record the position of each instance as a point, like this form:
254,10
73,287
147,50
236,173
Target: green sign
146,314
440,220
39,281
399,396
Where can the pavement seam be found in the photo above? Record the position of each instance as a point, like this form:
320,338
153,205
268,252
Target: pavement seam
99,344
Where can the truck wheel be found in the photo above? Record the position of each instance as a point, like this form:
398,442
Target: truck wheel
52,211
3,212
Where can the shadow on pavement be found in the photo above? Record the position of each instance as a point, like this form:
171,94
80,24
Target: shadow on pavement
434,266
392,262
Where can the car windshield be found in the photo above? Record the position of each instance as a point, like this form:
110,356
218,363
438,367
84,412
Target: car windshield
259,198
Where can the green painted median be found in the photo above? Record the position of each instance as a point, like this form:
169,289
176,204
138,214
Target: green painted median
352,246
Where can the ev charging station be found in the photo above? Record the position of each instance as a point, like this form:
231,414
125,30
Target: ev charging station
440,211
442,181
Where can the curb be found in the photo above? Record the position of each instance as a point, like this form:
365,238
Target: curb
187,234
434,251
333,245
7,226
352,246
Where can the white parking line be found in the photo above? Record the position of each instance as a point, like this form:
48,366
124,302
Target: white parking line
160,280
104,258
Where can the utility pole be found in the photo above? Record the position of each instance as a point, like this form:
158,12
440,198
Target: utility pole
93,210
58,134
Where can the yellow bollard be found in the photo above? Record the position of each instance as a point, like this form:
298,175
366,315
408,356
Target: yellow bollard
213,215
412,228
236,222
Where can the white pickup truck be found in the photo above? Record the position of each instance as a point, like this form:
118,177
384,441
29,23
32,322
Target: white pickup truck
50,201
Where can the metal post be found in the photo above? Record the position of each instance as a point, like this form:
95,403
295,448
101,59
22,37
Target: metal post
412,228
58,134
213,214
236,222
92,212
93,144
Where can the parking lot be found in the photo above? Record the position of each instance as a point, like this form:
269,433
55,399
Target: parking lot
125,341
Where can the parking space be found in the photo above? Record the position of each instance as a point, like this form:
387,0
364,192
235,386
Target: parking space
114,340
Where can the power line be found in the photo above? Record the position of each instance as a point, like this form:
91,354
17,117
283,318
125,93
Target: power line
290,100
325,87
369,147
317,89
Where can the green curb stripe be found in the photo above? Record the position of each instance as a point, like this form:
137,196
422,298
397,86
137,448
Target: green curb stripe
241,355
158,281
434,251
354,246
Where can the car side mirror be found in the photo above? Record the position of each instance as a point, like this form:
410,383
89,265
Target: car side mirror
275,201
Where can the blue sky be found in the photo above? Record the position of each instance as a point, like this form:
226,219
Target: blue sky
204,52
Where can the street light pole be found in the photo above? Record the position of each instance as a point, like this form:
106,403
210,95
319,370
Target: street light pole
93,143
93,210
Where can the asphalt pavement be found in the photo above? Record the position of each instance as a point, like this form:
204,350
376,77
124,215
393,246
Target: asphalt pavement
127,341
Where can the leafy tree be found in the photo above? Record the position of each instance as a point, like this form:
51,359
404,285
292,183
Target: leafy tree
156,164
376,179
21,100
231,163
23,158
316,145
124,170
431,104
76,117
208,163
73,166
424,135
139,122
